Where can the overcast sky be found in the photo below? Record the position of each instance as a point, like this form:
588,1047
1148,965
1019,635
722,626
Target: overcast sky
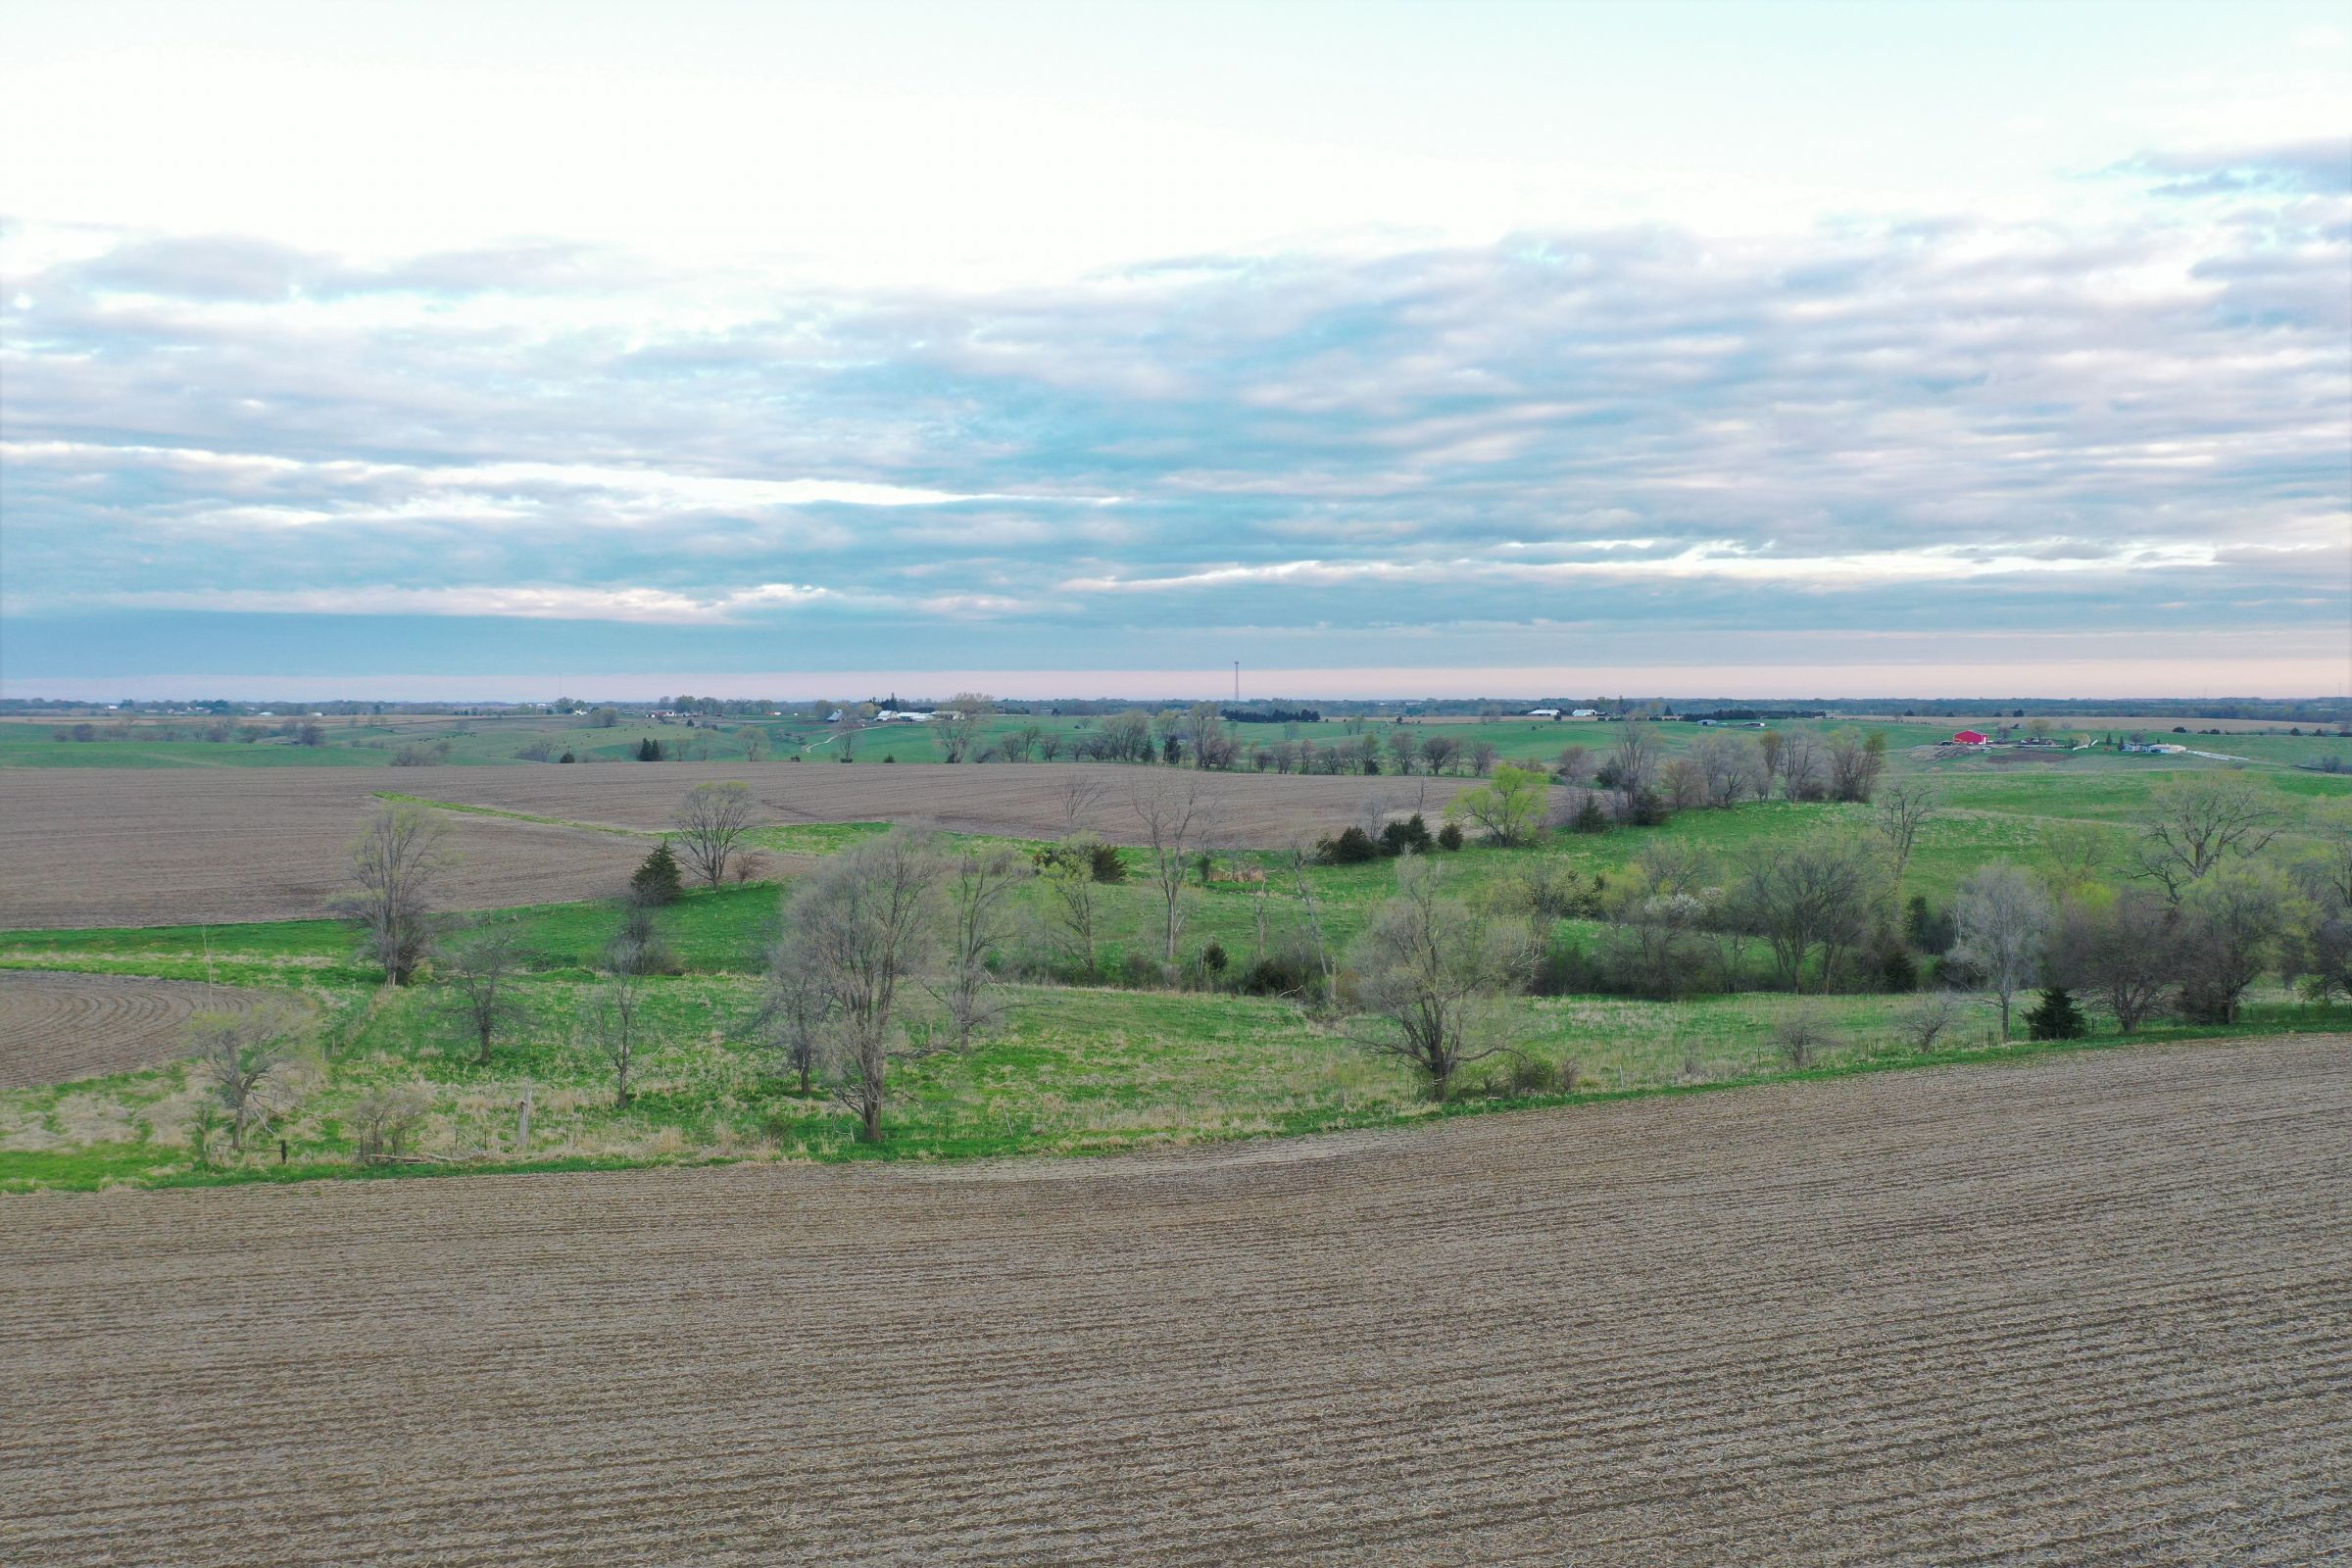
1753,349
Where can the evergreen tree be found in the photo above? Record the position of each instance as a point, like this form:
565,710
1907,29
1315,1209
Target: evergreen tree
657,880
2056,1017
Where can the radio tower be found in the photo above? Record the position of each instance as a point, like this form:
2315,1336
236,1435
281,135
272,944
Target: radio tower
1237,680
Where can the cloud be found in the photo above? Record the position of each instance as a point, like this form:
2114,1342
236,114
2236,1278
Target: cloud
1487,451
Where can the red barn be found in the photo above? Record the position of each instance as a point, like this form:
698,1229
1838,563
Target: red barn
1968,737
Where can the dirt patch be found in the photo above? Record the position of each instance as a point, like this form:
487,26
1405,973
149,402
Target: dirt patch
171,847
58,1028
2084,1311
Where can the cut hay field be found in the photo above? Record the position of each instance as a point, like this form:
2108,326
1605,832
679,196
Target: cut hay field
2085,1309
57,1028
125,847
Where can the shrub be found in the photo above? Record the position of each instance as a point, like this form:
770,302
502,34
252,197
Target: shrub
1930,1018
1410,835
1449,837
1353,847
1800,1037
649,749
1562,969
1212,958
1891,961
1591,818
1647,808
383,1119
1530,1075
1290,972
1927,930
638,947
568,758
2056,1017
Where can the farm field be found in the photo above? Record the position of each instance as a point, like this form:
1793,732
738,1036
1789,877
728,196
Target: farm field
57,1027
130,847
2084,1309
111,848
127,847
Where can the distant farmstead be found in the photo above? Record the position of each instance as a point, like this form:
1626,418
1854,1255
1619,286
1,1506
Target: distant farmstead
1969,737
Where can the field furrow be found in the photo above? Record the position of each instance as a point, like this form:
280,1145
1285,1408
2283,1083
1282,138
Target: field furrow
2089,1309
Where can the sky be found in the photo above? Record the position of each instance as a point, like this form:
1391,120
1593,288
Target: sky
494,351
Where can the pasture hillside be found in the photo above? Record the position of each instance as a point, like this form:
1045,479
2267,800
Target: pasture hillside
1932,1316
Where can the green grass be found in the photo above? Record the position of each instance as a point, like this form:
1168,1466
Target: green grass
1076,1070
1072,1072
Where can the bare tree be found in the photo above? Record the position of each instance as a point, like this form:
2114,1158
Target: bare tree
1803,770
1400,749
980,886
479,972
960,722
711,823
796,1008
396,862
1904,810
1068,875
1855,763
1310,905
1439,752
2234,921
2122,951
1574,766
1428,970
866,919
1633,763
248,1064
2000,922
1206,736
2196,822
1811,896
1730,768
613,1026
1178,820
1080,797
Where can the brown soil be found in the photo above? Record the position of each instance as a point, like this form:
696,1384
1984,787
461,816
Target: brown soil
171,847
2090,1309
56,1028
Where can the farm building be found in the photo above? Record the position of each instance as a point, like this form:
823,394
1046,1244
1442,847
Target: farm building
1540,713
1970,737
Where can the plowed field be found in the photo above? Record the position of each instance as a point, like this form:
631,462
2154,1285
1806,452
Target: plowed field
57,1028
106,846
2091,1309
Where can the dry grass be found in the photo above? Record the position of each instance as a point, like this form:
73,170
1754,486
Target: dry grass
110,848
2088,1311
